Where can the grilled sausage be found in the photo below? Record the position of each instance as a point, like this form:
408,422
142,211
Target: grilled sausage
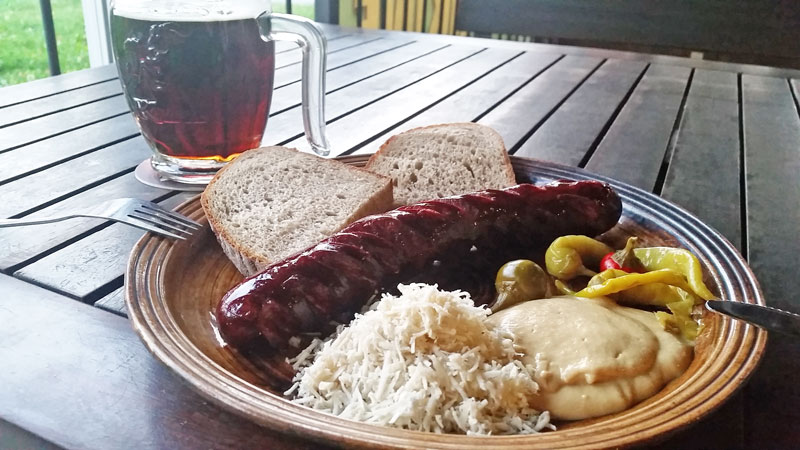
335,278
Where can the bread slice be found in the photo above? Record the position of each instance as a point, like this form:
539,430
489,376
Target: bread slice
443,160
272,202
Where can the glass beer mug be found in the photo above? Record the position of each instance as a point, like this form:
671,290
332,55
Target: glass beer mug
198,75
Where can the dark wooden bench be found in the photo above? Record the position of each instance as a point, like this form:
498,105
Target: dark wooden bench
750,31
746,31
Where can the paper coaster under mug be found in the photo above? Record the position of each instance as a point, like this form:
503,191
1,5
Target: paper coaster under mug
145,174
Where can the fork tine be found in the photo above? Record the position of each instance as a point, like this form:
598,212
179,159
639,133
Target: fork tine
159,217
148,226
157,222
158,209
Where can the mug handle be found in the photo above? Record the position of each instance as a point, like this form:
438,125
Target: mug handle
304,32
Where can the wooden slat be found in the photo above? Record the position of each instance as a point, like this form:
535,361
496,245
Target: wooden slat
19,244
289,96
331,34
114,302
13,438
368,123
772,161
703,173
329,28
296,57
64,146
282,47
79,377
523,111
60,122
293,73
772,164
469,103
633,149
59,102
285,46
53,85
71,176
569,133
288,125
93,263
703,177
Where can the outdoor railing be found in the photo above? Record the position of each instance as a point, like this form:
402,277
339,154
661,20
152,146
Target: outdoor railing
50,37
50,33
410,15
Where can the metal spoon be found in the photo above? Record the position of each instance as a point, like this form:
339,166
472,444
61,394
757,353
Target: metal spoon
771,319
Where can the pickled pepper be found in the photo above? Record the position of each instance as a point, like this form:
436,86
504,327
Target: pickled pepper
613,283
678,259
670,277
519,281
566,257
662,287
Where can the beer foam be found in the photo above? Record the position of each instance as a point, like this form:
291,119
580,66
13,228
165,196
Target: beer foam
190,10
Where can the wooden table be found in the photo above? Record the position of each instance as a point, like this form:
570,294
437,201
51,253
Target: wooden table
721,140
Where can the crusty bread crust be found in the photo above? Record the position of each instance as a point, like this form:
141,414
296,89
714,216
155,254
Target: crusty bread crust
243,258
501,158
250,262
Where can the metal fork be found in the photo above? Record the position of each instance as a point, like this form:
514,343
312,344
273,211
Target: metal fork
141,214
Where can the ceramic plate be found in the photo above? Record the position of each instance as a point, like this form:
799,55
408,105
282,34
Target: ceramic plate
173,287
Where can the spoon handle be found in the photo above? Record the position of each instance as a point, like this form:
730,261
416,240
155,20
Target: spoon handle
771,319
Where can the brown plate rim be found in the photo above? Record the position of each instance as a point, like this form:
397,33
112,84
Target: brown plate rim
733,362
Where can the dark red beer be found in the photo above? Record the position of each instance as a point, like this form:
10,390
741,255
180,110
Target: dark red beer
198,90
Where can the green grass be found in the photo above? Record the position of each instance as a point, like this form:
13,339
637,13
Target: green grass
279,6
23,56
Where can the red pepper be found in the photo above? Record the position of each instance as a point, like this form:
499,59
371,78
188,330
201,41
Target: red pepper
623,259
608,263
